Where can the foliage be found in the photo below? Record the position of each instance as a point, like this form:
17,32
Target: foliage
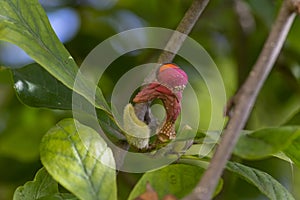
176,182
73,154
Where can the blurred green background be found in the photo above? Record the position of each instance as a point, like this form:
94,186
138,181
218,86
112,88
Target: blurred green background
232,32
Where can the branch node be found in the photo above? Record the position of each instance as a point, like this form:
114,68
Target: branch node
297,7
293,5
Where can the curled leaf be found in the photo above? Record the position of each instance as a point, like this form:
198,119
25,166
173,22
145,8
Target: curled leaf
137,132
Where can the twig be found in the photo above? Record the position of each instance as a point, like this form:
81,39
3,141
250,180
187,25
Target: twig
244,99
185,26
175,42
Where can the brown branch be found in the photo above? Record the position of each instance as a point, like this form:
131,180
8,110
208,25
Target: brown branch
175,42
244,100
185,26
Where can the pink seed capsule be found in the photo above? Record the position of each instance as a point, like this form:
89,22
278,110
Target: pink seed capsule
169,85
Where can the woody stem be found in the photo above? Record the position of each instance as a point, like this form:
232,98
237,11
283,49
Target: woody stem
244,101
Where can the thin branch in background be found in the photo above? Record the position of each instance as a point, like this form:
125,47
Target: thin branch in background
243,101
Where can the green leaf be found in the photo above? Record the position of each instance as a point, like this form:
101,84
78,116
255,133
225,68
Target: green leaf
24,23
109,126
61,196
263,181
177,179
77,157
294,119
265,142
37,88
293,151
42,185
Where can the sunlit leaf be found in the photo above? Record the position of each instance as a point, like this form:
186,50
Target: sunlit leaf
265,142
42,185
77,157
24,23
263,181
